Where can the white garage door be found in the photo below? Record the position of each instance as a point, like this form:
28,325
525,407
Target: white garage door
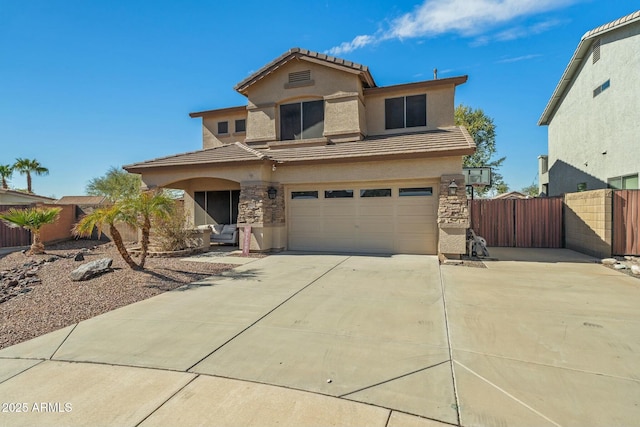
368,218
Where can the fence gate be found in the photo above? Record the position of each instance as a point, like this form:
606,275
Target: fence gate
626,222
13,236
523,223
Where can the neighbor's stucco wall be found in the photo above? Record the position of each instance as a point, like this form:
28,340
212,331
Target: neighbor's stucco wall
588,222
585,127
440,109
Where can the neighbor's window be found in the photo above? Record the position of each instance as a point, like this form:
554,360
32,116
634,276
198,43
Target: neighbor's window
629,182
304,195
302,120
338,194
582,186
405,112
376,192
416,191
223,127
604,86
241,125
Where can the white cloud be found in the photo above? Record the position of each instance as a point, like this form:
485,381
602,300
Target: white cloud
519,58
465,17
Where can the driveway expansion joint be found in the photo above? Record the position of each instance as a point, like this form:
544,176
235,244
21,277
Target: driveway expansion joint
268,313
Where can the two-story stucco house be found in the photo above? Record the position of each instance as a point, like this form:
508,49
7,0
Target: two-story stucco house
593,115
321,158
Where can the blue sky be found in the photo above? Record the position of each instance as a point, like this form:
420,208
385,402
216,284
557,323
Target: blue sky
85,85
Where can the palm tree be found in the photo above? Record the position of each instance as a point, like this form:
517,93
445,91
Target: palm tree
29,166
145,207
107,216
32,219
5,173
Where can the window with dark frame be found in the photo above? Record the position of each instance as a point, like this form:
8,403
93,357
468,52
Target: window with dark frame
604,86
241,125
302,120
416,191
295,195
223,127
376,192
405,112
338,194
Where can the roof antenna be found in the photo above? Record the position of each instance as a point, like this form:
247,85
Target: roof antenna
435,74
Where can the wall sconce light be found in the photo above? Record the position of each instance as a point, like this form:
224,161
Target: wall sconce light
453,188
272,192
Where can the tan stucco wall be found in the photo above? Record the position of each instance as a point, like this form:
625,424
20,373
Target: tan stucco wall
369,171
342,116
266,95
588,221
440,109
210,136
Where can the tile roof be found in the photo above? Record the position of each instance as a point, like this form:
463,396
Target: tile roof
231,153
439,142
297,52
450,141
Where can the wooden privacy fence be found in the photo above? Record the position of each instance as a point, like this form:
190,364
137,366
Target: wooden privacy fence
523,223
626,222
9,236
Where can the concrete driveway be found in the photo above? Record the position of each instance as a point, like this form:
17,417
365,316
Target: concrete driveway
538,338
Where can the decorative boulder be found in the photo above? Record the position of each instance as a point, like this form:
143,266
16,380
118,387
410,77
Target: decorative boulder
79,257
635,270
609,261
91,269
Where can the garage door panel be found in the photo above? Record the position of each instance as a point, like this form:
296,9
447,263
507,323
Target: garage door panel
370,224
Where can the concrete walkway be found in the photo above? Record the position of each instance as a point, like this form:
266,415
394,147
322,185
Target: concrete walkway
537,338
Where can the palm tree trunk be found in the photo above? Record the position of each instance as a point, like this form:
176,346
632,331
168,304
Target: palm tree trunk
29,182
146,230
37,247
4,183
117,240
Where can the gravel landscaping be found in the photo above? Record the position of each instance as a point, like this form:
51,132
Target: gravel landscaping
46,299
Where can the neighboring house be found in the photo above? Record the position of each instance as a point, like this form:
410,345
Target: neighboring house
512,195
592,116
323,159
13,197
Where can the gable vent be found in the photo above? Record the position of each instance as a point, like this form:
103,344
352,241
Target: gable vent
596,51
300,76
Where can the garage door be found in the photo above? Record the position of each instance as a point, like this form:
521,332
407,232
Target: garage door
368,218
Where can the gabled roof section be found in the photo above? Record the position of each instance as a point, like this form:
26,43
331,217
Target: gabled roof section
306,55
582,52
230,153
31,196
451,141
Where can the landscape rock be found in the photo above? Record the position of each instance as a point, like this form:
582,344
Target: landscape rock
79,257
620,266
91,269
609,261
635,269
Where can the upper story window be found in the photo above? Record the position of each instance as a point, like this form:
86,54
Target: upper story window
241,125
302,120
223,127
604,86
405,112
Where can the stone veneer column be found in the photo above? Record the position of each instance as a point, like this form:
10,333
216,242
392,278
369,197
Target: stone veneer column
453,216
265,216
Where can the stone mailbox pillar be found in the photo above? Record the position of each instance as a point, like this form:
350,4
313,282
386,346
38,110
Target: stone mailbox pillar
453,216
